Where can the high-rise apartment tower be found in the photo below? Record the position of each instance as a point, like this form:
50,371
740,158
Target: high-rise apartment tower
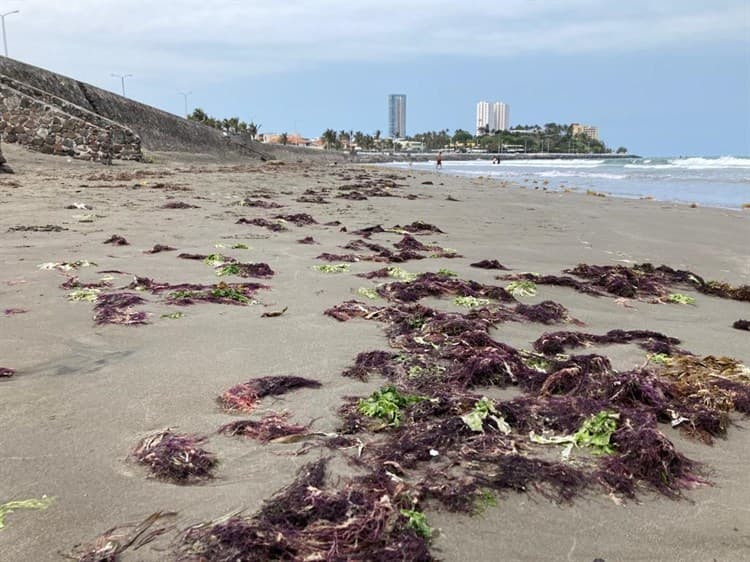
397,116
492,117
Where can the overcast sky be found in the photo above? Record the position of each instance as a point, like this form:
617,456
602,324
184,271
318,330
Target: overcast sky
662,78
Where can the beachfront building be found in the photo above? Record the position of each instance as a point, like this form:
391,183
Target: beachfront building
588,130
492,117
397,116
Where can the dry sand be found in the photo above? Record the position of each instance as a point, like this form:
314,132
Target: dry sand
83,395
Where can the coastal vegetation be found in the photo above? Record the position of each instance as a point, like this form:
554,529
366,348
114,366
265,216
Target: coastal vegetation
229,125
549,138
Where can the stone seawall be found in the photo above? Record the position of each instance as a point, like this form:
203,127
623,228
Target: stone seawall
157,129
48,124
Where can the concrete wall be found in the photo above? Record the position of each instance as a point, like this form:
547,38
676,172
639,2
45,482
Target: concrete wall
45,123
157,129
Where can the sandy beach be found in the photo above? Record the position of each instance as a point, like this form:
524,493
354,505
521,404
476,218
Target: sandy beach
83,394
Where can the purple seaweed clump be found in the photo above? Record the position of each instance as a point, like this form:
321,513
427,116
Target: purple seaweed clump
265,223
488,264
116,240
159,248
271,426
359,520
299,219
174,457
178,205
243,397
116,308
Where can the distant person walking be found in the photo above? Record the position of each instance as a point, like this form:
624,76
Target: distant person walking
439,161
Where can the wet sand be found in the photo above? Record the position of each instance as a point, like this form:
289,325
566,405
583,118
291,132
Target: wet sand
83,395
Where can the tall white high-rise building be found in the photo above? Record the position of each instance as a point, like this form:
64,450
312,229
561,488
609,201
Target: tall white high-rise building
397,116
492,117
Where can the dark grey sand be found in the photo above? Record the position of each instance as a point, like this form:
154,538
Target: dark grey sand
84,395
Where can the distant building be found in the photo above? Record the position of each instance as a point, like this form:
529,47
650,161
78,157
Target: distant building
397,116
492,117
588,130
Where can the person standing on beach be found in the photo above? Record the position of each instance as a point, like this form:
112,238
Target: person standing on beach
439,161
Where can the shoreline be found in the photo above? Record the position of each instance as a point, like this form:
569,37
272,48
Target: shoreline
83,395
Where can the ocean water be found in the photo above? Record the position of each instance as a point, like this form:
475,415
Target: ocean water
714,182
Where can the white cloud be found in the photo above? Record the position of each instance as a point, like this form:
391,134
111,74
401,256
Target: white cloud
234,37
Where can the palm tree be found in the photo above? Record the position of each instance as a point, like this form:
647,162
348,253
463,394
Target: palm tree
252,129
330,137
198,115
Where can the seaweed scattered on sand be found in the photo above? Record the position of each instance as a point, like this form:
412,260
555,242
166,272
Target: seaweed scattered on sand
349,258
488,264
176,457
352,309
418,227
116,308
35,228
7,372
275,313
66,265
369,231
74,283
337,268
265,223
159,248
261,270
318,199
640,281
178,205
243,397
260,203
553,343
14,311
9,507
108,546
546,312
298,219
742,325
436,285
221,293
408,242
116,240
269,427
361,519
647,458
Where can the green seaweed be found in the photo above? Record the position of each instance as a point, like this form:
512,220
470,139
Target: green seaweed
521,288
330,268
386,404
483,409
470,302
32,503
86,295
418,522
229,293
173,315
228,269
679,298
368,292
596,432
396,272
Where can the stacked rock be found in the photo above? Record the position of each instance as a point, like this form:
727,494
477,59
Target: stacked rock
3,166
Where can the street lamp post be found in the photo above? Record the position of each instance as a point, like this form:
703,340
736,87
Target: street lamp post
5,37
185,95
122,80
